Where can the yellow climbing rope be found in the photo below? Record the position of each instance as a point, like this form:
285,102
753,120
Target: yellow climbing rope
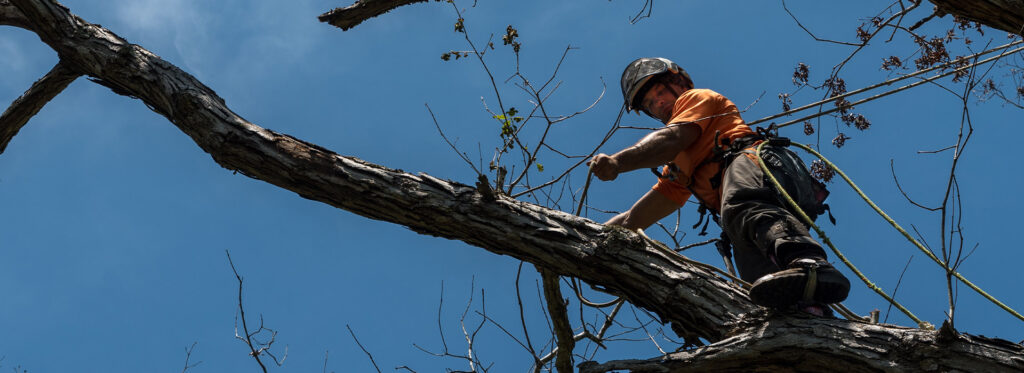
892,222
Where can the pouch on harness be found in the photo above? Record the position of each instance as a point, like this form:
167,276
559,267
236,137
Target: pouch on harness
783,164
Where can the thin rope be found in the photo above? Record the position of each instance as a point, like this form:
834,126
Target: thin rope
904,232
887,83
807,219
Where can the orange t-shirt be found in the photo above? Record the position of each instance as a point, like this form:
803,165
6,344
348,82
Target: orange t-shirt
713,113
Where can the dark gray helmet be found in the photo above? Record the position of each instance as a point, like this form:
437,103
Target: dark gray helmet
642,70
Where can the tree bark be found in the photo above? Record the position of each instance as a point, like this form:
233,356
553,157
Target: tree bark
1006,15
29,104
700,304
352,15
814,345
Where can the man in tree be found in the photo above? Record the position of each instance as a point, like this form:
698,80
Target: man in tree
708,152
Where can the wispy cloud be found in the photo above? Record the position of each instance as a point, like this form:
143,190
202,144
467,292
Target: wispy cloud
13,58
182,24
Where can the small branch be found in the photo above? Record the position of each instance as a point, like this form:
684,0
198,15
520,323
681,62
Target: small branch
648,6
29,104
256,348
360,347
460,154
560,319
692,245
352,15
936,151
897,288
188,355
811,33
917,24
892,169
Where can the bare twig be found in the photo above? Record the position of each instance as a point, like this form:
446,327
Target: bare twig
648,6
441,132
897,288
522,316
353,334
256,348
692,245
809,31
892,168
188,355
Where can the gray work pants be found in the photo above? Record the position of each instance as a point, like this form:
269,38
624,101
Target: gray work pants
765,235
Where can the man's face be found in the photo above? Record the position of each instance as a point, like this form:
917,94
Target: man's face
659,102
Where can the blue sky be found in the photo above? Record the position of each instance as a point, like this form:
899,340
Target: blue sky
115,224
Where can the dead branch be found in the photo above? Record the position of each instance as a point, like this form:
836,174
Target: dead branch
855,346
353,334
257,348
29,104
188,355
563,330
352,15
1006,15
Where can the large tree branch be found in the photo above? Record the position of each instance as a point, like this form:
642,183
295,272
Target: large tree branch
1006,15
11,16
619,260
26,106
698,302
814,345
352,15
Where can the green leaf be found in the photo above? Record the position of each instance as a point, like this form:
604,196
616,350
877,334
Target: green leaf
540,167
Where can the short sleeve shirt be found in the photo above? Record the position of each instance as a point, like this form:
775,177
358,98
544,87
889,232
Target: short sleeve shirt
716,116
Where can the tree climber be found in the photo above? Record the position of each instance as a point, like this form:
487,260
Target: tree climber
708,152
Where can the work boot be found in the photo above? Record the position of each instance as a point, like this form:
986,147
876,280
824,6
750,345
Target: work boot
808,280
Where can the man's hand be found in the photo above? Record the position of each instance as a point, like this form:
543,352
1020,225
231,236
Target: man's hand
605,167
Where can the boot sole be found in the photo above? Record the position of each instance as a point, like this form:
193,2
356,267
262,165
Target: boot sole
786,288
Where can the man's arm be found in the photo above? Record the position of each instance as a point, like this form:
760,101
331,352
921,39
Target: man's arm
646,211
655,149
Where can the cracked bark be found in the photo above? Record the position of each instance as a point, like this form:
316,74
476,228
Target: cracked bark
560,318
798,344
698,303
1006,15
352,15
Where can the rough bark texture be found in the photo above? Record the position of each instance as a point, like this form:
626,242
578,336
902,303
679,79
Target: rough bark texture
797,344
1006,15
560,320
29,104
352,15
697,302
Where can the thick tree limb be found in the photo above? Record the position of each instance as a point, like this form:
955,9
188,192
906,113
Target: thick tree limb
1006,15
697,302
29,104
352,15
798,344
11,16
654,279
